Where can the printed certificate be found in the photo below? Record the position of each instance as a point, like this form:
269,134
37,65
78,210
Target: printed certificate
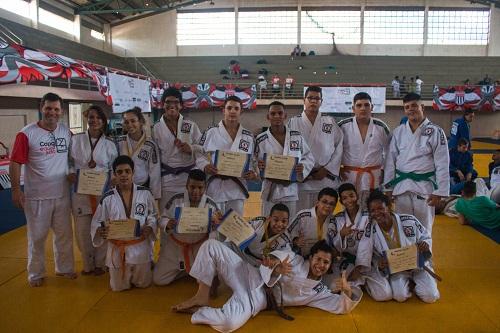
402,259
91,182
192,220
236,229
123,229
280,167
230,163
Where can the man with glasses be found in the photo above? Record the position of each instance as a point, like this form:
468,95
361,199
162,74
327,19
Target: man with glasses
43,148
174,136
310,225
324,138
366,140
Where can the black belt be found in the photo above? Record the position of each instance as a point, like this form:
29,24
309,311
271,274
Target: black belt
272,304
234,179
168,170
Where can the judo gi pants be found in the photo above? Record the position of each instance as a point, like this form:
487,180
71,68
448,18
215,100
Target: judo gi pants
137,275
416,205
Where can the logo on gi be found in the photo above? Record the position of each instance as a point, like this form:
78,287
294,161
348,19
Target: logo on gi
140,209
186,127
327,128
244,145
294,145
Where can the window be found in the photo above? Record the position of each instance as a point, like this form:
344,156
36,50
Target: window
271,27
55,21
394,27
317,27
18,7
97,35
205,28
459,27
75,118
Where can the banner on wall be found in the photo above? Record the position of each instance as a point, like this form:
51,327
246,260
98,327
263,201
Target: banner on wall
459,98
207,95
338,99
127,92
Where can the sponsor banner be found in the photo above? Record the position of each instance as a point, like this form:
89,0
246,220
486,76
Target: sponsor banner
338,99
127,92
459,98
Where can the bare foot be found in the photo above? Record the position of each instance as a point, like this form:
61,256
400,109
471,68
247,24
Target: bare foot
99,271
191,304
36,283
70,276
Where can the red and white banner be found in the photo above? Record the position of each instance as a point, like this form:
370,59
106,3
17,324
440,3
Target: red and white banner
459,98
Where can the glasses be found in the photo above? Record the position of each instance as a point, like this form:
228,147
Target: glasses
310,99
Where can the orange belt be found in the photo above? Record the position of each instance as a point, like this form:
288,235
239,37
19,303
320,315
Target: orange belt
187,249
93,203
360,171
122,245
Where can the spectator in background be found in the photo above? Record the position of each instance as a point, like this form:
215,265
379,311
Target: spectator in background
460,128
296,51
412,87
403,86
418,85
262,84
495,161
477,210
276,83
395,87
289,81
235,69
461,166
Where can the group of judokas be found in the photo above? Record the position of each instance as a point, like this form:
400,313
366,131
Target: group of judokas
414,159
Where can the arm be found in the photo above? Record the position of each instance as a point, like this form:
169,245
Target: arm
18,157
390,161
462,220
100,216
149,227
441,163
333,165
155,172
306,159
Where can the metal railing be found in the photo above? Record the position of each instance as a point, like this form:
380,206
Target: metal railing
9,35
128,56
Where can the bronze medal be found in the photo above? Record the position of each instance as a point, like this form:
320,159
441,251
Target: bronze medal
92,164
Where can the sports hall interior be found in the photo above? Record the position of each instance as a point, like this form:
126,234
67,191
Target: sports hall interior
145,38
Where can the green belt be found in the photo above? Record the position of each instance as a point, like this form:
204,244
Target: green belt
418,177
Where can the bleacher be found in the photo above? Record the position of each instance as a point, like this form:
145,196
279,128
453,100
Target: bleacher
41,40
344,68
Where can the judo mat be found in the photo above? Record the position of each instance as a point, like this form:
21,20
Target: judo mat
492,234
468,262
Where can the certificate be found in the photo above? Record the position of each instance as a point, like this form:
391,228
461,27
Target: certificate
236,229
91,182
280,167
402,259
124,229
231,163
192,220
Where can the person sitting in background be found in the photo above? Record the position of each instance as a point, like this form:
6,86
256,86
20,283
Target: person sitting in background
460,128
495,162
235,69
289,81
395,87
276,83
477,210
296,51
461,168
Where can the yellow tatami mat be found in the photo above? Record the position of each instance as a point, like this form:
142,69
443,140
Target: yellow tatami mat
470,296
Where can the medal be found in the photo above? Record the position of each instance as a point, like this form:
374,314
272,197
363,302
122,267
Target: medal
92,164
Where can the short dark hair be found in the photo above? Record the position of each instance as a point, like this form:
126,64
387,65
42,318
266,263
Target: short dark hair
462,142
322,245
234,99
469,188
410,97
361,95
171,91
377,195
315,89
197,174
346,187
100,112
281,208
123,159
328,191
137,112
50,97
276,103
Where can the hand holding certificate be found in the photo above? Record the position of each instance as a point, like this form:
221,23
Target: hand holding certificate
236,229
123,229
91,182
402,259
280,167
192,220
230,163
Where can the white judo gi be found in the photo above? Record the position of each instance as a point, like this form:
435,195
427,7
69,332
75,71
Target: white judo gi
296,146
363,161
247,283
254,252
397,286
83,205
175,165
306,223
421,154
179,250
134,268
47,197
146,157
324,138
227,192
